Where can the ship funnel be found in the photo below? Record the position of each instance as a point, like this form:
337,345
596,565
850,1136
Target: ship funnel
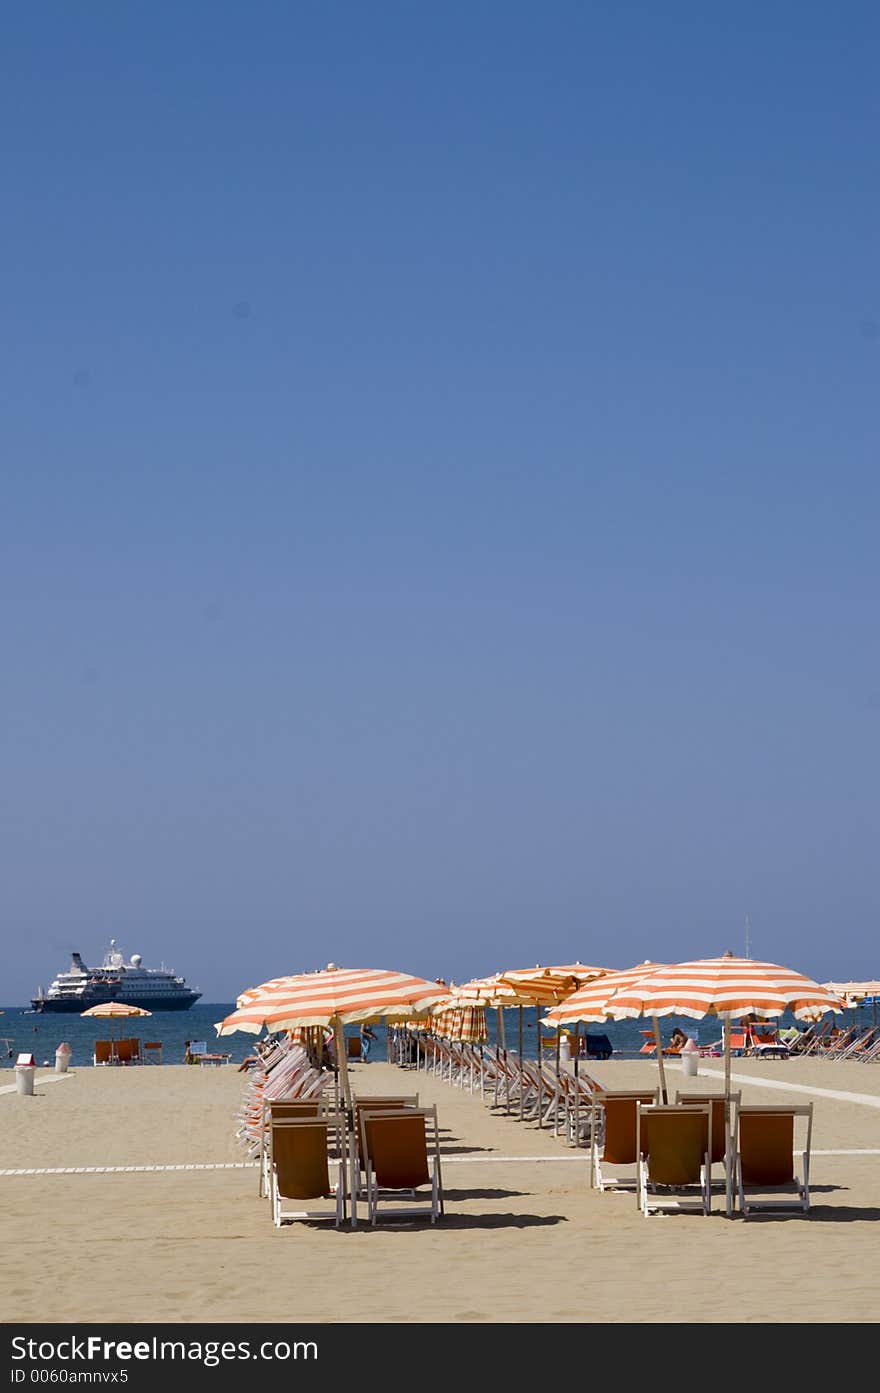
77,964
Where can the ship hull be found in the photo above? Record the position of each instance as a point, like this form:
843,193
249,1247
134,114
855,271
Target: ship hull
66,1006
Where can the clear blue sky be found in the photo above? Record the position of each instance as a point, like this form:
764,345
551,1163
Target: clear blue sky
439,486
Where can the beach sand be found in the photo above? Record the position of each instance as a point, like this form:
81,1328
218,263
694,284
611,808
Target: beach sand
524,1238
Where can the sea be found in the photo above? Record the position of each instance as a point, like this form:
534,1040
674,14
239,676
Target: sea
40,1034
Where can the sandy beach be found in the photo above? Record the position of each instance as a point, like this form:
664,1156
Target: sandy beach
524,1238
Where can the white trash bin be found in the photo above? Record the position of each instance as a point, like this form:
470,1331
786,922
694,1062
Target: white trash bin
24,1079
689,1058
62,1058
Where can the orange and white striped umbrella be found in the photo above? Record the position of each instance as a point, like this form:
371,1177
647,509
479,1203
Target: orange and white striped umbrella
466,1023
592,1003
526,988
725,987
853,991
559,981
321,998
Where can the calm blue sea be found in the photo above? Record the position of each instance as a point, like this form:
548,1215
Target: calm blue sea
41,1034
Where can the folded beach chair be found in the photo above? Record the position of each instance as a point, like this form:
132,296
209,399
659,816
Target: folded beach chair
720,1116
613,1134
103,1052
387,1102
674,1165
765,1146
300,1151
274,1111
401,1157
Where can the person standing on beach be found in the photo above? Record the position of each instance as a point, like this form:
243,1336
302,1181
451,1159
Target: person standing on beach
368,1035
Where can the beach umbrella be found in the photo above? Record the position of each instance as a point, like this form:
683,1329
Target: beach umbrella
854,993
726,987
333,997
466,1023
591,1005
115,1011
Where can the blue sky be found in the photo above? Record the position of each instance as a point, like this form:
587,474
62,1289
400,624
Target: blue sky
439,488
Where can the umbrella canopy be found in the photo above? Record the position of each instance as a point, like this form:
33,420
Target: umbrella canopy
318,998
115,1010
467,1023
561,981
727,987
853,991
591,1003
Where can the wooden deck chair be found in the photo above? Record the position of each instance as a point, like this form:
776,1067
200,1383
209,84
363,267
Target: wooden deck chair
401,1157
614,1122
274,1111
152,1051
353,1046
765,1169
674,1166
103,1052
381,1102
719,1123
299,1167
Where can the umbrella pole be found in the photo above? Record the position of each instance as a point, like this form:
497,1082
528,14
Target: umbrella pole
728,1150
577,1090
540,1069
342,1061
521,1089
663,1093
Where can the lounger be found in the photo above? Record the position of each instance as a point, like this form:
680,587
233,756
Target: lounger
300,1163
353,1046
385,1102
276,1112
765,1169
614,1121
402,1156
720,1121
674,1165
103,1052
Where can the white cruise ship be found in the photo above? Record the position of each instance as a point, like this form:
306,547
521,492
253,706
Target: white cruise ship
154,988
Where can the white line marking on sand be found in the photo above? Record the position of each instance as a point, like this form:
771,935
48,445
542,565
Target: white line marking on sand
868,1100
583,1158
46,1078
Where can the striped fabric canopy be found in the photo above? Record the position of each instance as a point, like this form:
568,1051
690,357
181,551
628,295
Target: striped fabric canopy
467,1023
321,998
561,981
726,987
523,987
591,1003
853,991
115,1010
